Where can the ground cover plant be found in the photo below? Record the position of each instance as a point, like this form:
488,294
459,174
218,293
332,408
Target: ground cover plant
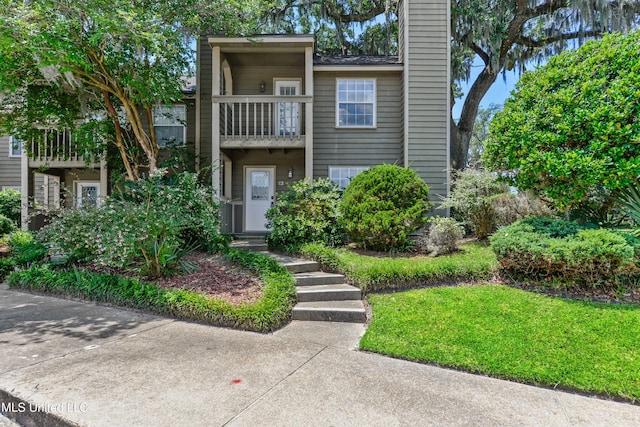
375,272
270,311
513,334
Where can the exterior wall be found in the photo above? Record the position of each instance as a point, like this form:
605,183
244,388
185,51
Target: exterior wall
356,147
203,98
425,28
9,166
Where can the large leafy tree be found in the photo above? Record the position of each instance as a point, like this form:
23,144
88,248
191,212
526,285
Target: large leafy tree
573,125
98,67
504,34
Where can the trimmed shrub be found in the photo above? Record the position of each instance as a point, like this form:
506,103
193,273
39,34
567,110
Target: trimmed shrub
6,225
10,203
546,249
307,212
441,238
382,206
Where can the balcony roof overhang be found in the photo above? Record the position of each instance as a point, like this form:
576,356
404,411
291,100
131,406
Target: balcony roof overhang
262,43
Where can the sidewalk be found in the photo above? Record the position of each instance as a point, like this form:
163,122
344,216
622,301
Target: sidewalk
99,366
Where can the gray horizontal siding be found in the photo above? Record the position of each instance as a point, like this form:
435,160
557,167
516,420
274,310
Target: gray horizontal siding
427,67
356,147
9,166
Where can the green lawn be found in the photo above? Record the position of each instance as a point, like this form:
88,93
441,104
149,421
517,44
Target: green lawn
513,334
373,273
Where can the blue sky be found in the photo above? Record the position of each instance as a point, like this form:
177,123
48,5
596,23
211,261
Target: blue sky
498,93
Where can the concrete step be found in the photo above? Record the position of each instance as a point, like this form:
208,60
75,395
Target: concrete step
301,266
250,245
330,311
318,278
328,293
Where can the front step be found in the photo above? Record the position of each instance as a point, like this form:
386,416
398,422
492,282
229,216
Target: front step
318,278
253,245
330,311
328,293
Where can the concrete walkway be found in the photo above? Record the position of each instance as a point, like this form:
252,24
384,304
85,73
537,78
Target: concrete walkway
100,366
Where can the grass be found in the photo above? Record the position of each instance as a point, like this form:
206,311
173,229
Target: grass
513,334
370,273
270,312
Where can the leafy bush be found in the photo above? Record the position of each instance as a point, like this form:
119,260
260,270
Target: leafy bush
382,206
10,203
24,248
7,265
307,212
472,195
270,312
546,248
6,225
509,208
441,238
146,227
572,124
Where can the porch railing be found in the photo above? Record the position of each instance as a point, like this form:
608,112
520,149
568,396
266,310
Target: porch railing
55,147
262,117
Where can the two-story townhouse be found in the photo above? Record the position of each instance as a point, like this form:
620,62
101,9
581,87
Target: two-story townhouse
268,111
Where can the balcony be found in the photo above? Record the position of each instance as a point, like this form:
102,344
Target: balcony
263,121
56,149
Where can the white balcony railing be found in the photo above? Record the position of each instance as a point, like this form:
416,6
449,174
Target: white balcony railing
56,149
262,117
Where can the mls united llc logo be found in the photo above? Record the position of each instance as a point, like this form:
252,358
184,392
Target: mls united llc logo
59,408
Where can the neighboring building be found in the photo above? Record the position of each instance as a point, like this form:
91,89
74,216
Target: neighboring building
267,111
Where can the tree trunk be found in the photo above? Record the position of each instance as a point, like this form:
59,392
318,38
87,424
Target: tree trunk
462,131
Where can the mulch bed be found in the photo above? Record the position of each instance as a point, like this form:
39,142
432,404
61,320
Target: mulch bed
217,278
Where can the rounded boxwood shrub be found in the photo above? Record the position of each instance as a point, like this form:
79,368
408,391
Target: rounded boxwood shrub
382,206
546,249
307,212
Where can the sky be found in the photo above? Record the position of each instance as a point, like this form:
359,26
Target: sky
498,93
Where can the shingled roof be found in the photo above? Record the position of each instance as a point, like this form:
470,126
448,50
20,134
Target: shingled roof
355,60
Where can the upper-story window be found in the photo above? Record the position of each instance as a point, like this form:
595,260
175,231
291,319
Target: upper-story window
15,147
356,103
170,125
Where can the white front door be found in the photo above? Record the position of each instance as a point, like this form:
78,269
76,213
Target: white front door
287,113
87,193
259,196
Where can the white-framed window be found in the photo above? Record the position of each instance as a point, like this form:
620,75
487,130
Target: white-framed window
87,193
15,147
342,175
356,103
170,125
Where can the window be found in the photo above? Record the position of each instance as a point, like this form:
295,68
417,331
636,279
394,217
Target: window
356,103
15,147
170,124
343,175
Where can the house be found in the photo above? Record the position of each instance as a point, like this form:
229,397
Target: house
268,111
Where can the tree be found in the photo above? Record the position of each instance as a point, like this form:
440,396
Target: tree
504,34
572,126
480,135
98,67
